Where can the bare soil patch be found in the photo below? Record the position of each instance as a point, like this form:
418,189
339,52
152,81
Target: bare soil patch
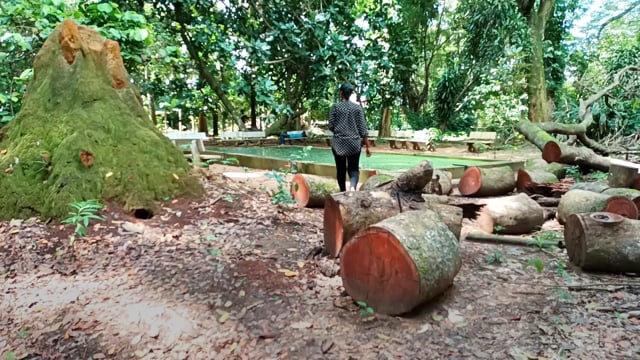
230,277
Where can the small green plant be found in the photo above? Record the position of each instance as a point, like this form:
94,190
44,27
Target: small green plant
365,310
574,172
23,333
537,263
9,355
283,195
494,258
230,161
84,212
498,228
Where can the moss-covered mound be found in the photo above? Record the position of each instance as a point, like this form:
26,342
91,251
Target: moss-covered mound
82,134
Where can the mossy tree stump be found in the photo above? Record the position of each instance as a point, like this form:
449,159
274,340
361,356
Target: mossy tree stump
83,133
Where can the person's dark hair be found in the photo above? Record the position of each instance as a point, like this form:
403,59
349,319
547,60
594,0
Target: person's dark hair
346,90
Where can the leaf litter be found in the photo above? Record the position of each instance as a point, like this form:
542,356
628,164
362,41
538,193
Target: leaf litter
230,277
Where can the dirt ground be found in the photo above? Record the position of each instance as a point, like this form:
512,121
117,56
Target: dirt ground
233,276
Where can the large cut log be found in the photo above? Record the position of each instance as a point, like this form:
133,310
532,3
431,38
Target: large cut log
603,188
516,214
401,262
624,174
603,242
412,180
494,181
376,181
595,186
440,184
536,182
311,191
347,213
582,201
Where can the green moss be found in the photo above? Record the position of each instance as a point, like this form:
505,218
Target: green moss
73,108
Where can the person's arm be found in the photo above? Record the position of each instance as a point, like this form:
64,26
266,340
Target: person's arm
332,118
363,131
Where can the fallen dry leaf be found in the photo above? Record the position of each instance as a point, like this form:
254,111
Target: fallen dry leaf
288,273
3,151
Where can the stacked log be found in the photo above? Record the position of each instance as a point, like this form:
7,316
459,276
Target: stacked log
401,262
603,241
516,214
487,182
582,201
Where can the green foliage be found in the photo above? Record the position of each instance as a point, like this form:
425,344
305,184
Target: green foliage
283,195
494,258
365,310
536,263
546,239
83,212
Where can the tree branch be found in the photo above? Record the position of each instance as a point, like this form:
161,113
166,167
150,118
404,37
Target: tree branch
616,17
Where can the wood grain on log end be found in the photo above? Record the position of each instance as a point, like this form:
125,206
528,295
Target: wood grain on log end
523,180
375,268
300,190
622,206
471,181
551,152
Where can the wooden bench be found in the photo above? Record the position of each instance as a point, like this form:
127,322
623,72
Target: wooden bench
196,140
480,137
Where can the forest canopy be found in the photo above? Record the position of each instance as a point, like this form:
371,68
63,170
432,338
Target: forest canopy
450,65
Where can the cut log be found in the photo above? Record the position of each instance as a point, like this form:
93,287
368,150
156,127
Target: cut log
603,242
582,201
348,212
440,184
535,182
311,191
517,214
554,151
376,181
401,262
487,182
595,186
623,174
539,165
508,240
414,179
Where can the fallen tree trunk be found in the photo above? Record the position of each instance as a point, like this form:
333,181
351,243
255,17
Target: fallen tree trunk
539,165
410,259
624,174
540,183
347,213
603,242
487,182
555,151
311,191
412,180
582,201
517,214
508,240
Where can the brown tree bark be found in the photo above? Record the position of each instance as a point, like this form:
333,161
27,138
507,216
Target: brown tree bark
311,191
487,182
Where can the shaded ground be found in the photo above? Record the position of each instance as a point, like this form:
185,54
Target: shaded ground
231,277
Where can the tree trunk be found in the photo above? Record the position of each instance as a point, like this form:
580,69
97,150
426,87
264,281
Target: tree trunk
487,182
385,123
517,214
412,180
83,133
310,190
582,201
401,262
603,242
539,165
216,123
152,109
202,124
506,240
536,83
624,174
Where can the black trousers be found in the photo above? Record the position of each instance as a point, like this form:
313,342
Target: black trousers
344,164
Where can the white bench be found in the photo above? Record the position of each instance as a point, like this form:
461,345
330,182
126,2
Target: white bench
480,137
196,140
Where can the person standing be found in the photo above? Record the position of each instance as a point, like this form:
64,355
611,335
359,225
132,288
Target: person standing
346,121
